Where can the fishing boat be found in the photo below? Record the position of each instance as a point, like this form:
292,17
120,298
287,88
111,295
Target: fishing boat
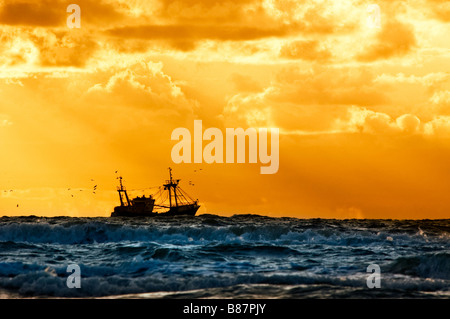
170,200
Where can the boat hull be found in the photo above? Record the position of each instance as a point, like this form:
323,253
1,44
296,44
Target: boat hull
186,210
130,211
127,211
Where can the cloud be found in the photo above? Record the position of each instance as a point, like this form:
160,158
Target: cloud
34,13
197,32
49,13
253,111
305,100
64,48
248,111
97,99
440,9
184,23
408,123
245,83
208,10
143,85
327,100
441,97
396,39
317,18
365,121
428,80
42,47
101,13
305,50
309,17
328,85
439,126
187,36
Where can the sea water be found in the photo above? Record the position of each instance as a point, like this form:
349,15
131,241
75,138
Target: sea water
209,256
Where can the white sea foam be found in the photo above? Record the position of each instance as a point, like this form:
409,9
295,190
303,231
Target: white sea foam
208,255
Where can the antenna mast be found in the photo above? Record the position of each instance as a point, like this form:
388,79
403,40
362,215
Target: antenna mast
172,184
121,190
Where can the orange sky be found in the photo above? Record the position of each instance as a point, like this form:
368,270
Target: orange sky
363,112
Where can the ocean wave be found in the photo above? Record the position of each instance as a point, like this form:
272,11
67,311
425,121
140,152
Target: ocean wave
212,255
434,265
201,230
35,280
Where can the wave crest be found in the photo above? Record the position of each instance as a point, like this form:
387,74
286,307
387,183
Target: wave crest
435,265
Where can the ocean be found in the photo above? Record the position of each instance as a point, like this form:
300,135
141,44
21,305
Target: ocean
209,256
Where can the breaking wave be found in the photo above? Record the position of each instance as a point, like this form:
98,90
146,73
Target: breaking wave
211,256
434,265
66,230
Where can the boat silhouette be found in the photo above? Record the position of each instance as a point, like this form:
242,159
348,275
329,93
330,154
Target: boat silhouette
179,202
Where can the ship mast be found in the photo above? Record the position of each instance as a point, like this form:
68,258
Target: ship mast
121,190
171,183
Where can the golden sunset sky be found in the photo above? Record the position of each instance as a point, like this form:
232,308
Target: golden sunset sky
363,112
